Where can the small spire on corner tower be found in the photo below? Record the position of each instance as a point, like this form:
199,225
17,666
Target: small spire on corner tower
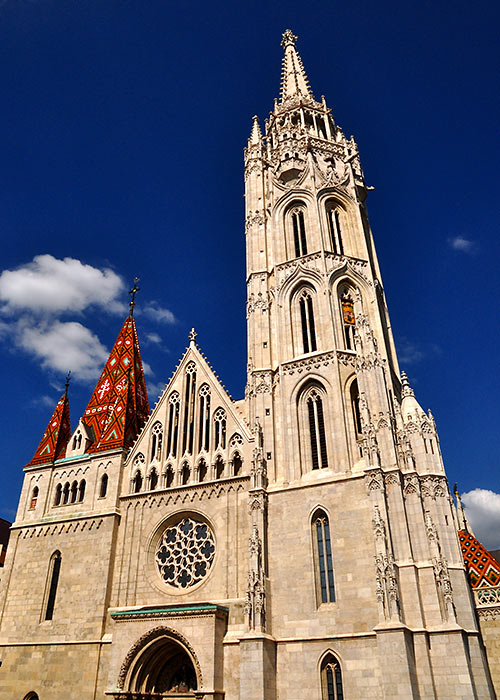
255,134
132,293
192,336
406,389
294,80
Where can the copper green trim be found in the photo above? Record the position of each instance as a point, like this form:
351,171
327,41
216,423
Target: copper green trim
177,608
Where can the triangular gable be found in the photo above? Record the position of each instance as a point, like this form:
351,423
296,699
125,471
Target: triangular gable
119,405
56,436
219,399
483,568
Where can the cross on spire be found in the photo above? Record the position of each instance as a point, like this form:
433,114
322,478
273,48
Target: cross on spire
132,293
66,383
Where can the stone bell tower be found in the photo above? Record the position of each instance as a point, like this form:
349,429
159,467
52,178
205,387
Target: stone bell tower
355,474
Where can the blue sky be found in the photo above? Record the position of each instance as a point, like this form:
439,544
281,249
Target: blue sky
122,131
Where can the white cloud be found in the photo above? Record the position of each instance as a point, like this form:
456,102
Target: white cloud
462,244
63,346
154,391
409,352
47,285
155,312
153,338
45,401
482,508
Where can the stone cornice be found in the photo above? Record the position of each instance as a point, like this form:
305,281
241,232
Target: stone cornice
154,612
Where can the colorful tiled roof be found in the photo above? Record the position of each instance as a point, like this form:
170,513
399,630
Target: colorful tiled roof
484,570
119,406
56,437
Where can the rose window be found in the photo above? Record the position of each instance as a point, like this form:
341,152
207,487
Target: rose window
185,553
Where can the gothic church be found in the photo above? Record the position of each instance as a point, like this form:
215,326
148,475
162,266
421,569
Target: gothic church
297,543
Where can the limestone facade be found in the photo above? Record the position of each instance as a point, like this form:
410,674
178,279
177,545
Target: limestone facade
300,542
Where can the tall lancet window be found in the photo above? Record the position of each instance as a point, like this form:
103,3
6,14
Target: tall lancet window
356,415
334,229
204,419
189,407
348,318
220,429
173,424
312,404
322,545
299,231
331,679
156,441
52,583
307,321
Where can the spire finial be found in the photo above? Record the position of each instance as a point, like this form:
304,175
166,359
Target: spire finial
66,384
406,389
288,38
192,336
132,293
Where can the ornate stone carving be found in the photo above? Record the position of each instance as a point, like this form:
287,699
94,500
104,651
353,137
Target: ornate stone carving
257,501
443,582
411,485
254,219
156,633
258,301
392,479
374,480
305,365
378,524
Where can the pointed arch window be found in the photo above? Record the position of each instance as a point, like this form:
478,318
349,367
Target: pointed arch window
297,216
185,474
173,424
34,498
334,229
237,464
356,415
66,493
307,321
202,470
331,679
81,490
189,407
348,318
169,477
323,564
153,479
137,482
52,583
219,468
204,418
220,429
156,441
58,495
104,486
316,424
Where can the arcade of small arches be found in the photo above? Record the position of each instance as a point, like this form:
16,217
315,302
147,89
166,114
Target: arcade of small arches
69,493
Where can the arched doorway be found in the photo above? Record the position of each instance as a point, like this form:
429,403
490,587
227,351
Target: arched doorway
161,663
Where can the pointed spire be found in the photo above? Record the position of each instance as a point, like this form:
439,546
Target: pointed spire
56,437
294,80
119,406
406,389
255,134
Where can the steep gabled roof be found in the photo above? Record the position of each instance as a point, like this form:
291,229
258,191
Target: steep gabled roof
119,406
56,436
483,568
